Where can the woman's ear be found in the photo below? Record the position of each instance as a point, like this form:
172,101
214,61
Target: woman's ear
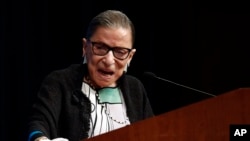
129,59
126,67
84,51
85,59
84,46
132,53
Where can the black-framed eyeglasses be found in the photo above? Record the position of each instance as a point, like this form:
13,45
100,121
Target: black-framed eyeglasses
102,49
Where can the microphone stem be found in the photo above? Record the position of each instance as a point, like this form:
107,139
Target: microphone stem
186,87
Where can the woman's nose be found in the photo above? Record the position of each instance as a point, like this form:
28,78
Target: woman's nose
109,58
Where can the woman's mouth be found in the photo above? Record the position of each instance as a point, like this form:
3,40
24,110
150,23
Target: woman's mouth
105,72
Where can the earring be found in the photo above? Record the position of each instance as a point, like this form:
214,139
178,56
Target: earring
126,67
85,60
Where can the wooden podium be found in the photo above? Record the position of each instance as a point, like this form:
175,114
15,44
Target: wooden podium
206,120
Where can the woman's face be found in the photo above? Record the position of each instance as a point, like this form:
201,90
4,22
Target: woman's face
105,70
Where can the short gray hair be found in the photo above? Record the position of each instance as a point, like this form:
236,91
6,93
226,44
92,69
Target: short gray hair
110,18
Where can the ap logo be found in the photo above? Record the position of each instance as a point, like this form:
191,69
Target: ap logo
240,132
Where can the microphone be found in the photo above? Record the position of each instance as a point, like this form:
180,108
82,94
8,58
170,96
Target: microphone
152,75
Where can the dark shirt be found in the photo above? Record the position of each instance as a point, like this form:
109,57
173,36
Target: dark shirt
62,110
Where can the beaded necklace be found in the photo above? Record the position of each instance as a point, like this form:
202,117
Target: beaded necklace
108,95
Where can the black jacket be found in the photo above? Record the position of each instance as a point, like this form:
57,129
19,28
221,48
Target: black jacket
62,110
